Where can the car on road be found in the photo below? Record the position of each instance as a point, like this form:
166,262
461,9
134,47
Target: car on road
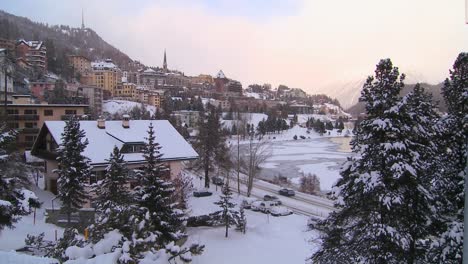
217,180
280,211
286,192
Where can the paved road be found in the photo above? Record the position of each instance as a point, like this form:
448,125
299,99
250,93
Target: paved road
301,203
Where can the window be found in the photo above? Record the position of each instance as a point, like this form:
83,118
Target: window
12,111
30,125
13,125
48,112
30,138
70,112
96,176
132,148
30,112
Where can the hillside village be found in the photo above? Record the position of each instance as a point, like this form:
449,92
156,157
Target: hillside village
106,160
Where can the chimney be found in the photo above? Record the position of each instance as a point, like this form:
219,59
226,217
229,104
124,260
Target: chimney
126,121
101,122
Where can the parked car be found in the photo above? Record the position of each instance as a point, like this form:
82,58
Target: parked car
263,206
287,192
247,202
202,193
280,211
272,198
217,180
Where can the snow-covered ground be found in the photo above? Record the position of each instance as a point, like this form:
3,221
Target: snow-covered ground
123,107
320,155
12,239
268,239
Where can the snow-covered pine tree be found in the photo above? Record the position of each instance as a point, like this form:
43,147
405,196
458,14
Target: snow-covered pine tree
113,199
242,221
209,141
382,199
154,195
73,168
228,215
448,246
15,200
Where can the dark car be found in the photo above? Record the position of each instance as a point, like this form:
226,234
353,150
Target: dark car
287,192
217,180
202,193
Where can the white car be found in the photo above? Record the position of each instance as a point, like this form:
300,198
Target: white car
280,211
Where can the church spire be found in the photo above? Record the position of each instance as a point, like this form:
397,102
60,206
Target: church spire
165,61
82,19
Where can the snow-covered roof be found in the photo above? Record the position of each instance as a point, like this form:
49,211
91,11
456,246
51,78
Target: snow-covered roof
103,65
221,75
102,141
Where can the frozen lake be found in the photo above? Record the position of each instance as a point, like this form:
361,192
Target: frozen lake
321,156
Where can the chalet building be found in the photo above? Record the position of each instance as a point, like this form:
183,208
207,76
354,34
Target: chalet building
128,135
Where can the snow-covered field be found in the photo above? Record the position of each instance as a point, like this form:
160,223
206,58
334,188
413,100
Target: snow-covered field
320,155
123,107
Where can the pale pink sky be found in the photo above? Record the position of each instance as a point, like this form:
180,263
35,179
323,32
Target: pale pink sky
312,44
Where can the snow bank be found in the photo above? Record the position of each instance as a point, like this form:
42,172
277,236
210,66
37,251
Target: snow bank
13,257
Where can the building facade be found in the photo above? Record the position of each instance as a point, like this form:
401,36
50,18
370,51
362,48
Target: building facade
106,75
28,118
34,52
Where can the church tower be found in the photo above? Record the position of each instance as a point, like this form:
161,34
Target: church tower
165,61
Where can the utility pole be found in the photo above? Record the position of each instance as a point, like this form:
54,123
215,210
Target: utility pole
238,153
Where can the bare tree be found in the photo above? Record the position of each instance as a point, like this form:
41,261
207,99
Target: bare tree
241,120
257,153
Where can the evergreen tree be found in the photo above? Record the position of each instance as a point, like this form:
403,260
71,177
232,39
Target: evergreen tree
15,199
242,221
73,168
209,141
228,215
449,187
382,198
154,195
114,200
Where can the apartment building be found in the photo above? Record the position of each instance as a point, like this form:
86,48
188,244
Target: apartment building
106,75
80,64
34,52
28,118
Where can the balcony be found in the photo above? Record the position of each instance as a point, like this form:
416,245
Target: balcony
25,144
23,117
30,130
67,117
45,154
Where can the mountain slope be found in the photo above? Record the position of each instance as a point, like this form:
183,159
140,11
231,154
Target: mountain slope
434,89
60,41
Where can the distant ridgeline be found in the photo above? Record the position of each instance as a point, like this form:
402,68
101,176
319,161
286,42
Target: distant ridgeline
435,90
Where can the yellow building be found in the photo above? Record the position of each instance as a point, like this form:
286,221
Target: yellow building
80,64
125,89
106,75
